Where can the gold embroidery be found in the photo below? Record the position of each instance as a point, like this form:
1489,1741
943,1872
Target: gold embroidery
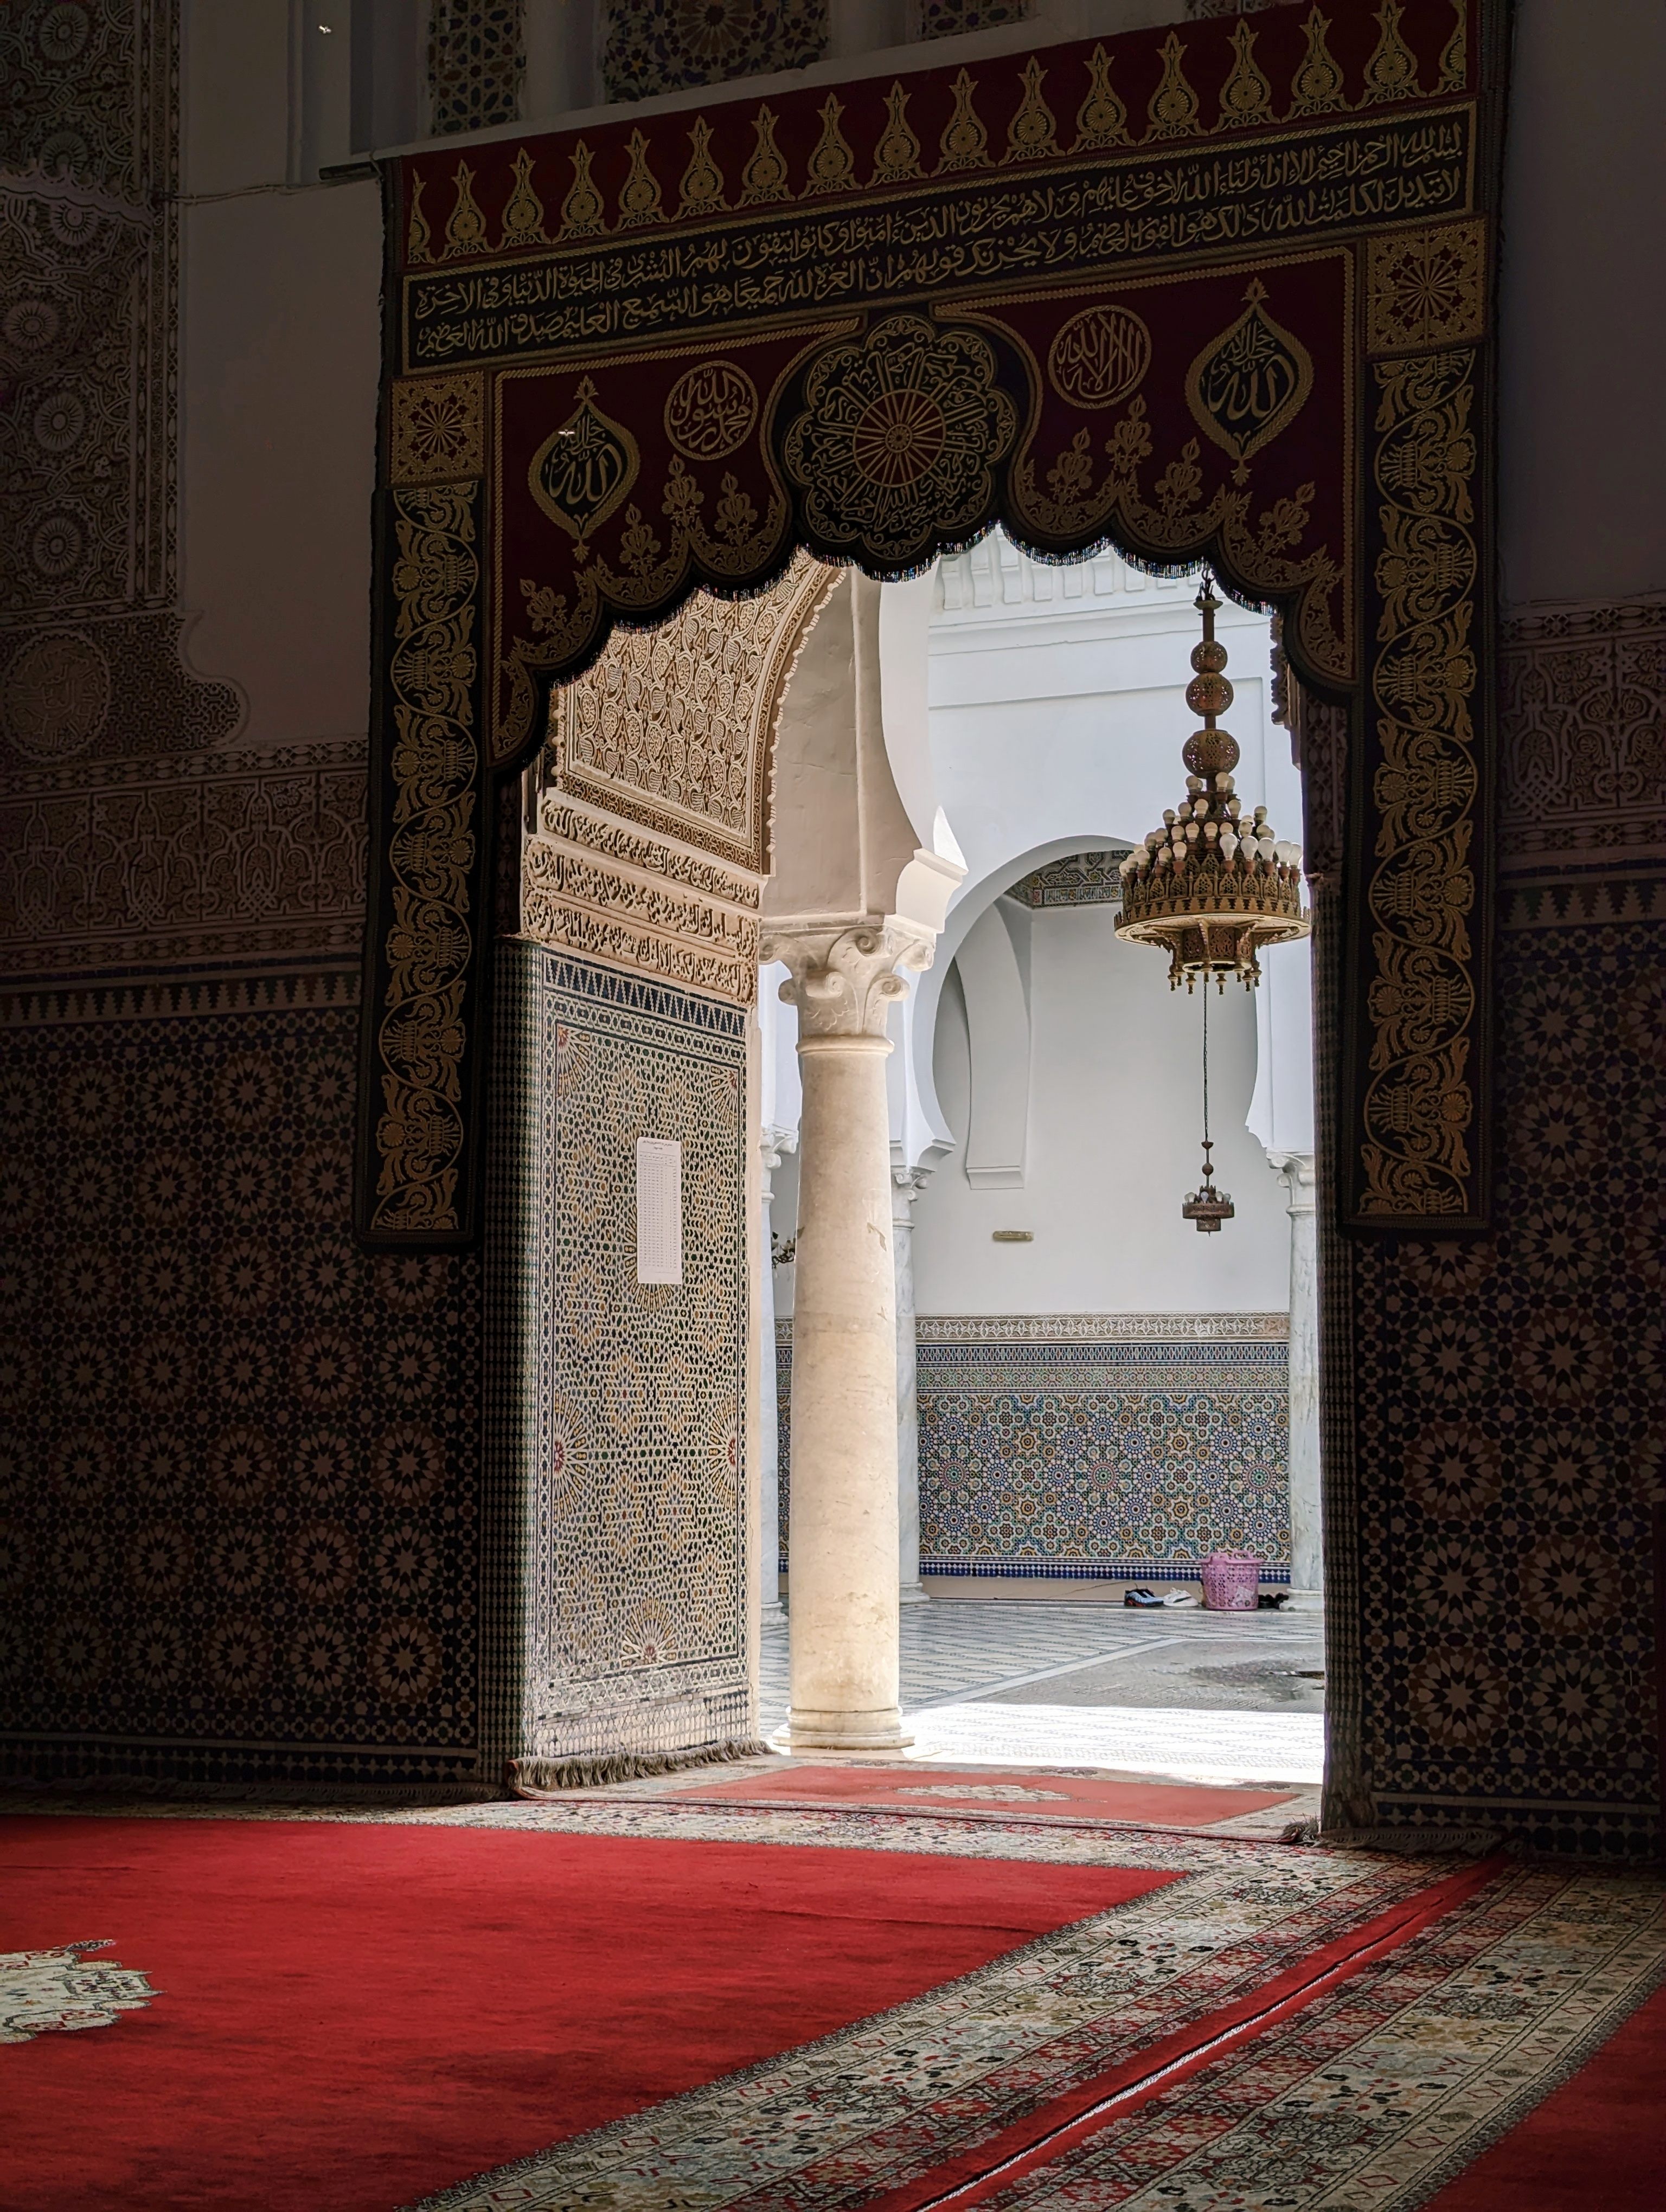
1173,109
764,177
465,233
1031,133
1420,1105
1246,98
523,217
1102,119
710,411
1427,288
1250,383
898,435
1455,55
965,143
1391,72
430,854
1319,86
582,470
897,157
418,244
582,214
1099,356
832,166
702,189
437,429
639,197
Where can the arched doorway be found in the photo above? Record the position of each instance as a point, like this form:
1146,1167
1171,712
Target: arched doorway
595,405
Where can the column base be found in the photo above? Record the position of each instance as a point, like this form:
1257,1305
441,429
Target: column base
871,1731
773,1612
914,1593
1302,1601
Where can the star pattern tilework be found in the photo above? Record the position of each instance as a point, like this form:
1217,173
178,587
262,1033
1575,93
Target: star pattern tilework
1509,1395
1090,1459
238,1474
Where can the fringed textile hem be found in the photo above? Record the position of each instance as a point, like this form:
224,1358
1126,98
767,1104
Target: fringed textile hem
544,1778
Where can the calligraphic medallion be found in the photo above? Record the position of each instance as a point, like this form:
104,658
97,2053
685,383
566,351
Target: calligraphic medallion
1250,383
1099,357
710,411
898,436
582,470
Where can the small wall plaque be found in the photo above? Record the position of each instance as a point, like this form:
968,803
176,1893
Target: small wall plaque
1013,1235
659,1210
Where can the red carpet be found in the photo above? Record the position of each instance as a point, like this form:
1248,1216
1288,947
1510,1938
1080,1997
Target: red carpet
1597,2141
1048,1796
355,2016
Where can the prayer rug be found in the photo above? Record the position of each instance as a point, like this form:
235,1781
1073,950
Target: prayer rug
992,1792
1284,2025
356,2014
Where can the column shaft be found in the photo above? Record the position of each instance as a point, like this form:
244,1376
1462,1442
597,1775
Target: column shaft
906,1185
1306,1521
845,1683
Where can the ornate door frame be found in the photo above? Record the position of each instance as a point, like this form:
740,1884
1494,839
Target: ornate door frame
1222,291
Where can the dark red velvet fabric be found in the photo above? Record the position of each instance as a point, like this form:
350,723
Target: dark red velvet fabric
356,2016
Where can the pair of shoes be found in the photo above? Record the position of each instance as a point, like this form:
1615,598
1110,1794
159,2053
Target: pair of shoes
1138,1597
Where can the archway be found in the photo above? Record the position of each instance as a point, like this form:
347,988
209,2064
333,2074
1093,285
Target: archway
872,326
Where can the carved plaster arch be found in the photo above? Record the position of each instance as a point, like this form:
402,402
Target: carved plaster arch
651,827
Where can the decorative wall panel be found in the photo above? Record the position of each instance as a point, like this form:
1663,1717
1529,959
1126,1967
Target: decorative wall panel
477,58
1582,739
240,1476
653,46
238,1473
1509,1416
616,1441
1168,289
171,862
1085,1446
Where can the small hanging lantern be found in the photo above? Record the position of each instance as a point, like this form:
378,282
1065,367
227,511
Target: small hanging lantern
1212,885
1206,1206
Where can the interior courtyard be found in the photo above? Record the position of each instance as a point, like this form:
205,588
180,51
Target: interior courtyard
833,900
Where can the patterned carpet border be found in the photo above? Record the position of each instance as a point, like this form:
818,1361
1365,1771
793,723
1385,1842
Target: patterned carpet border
1376,2096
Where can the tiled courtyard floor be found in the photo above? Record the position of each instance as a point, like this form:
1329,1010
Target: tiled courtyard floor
1189,1695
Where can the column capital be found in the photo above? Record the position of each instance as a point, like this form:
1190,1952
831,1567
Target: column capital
773,1143
1299,1173
842,973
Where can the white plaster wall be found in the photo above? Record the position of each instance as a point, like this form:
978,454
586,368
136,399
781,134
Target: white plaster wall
1114,1124
280,343
1058,703
1581,309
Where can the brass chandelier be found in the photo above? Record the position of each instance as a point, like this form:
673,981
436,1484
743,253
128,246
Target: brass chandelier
1210,885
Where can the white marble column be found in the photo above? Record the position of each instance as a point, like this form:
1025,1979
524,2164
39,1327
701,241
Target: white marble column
1306,1521
906,1185
772,1144
844,1606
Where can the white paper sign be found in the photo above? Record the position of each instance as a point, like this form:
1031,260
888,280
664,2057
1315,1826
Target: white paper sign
659,1210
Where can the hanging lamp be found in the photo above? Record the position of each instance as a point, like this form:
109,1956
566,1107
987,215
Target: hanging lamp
1211,886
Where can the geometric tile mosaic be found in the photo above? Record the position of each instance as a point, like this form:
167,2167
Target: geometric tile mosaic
1082,1459
632,1460
653,46
238,1456
1511,1407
